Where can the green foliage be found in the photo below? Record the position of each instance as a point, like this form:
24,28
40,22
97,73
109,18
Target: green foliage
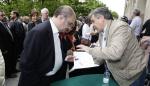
83,8
25,6
115,15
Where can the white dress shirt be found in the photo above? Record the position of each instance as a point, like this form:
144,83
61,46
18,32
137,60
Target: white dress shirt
136,25
58,53
103,41
86,32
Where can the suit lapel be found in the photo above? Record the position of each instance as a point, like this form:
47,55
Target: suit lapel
7,29
50,34
109,22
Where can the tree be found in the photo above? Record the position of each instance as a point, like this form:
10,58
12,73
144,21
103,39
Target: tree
24,6
115,15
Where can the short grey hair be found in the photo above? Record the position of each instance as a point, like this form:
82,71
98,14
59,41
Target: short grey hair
101,11
44,10
136,12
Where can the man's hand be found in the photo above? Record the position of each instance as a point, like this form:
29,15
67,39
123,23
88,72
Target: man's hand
144,43
70,58
82,48
145,38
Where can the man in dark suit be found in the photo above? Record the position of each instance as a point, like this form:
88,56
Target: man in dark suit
7,47
18,31
42,61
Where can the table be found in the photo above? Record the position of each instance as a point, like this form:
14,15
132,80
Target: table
85,80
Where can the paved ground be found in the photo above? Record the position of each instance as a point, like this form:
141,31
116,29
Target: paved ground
12,81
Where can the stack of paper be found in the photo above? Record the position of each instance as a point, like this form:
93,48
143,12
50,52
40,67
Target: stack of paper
83,60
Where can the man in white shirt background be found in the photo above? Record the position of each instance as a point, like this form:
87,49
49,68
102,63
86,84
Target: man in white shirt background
136,23
84,31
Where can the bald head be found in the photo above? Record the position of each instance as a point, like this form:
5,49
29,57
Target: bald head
65,10
64,18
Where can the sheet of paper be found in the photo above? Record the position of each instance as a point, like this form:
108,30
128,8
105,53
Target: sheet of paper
83,60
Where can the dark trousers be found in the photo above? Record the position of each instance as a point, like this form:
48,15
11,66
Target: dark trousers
140,80
10,62
149,64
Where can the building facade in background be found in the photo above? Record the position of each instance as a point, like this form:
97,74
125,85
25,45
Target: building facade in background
142,5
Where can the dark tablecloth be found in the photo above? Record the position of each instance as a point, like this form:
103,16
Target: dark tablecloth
85,80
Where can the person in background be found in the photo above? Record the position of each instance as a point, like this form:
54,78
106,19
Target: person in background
7,48
136,23
34,19
146,28
118,48
18,32
76,33
42,60
2,70
145,44
25,21
84,31
44,14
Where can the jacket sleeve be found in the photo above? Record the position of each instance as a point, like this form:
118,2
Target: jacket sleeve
133,24
115,49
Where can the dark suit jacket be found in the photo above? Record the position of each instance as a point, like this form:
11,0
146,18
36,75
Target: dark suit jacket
147,27
38,57
33,24
18,33
6,41
7,48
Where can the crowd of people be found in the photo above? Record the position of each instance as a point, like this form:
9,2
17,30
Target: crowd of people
44,45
